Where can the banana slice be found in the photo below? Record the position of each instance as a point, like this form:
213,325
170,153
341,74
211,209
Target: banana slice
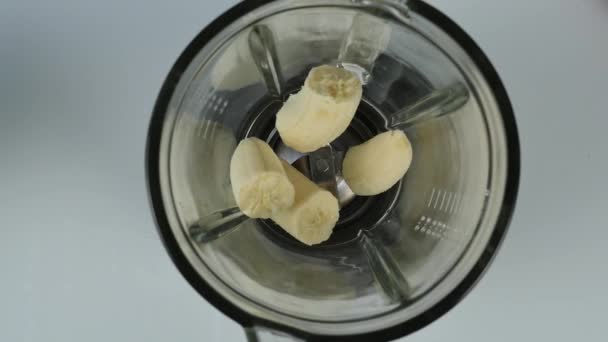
314,212
376,165
259,182
321,111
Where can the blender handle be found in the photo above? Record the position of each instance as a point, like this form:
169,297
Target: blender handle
217,224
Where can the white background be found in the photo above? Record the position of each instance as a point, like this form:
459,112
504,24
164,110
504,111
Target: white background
80,259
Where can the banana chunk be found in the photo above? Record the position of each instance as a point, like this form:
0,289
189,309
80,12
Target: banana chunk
314,213
259,182
321,111
376,165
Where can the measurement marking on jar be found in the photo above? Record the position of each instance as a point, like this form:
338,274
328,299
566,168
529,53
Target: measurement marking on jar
442,200
459,205
449,200
437,229
450,208
437,199
431,198
450,205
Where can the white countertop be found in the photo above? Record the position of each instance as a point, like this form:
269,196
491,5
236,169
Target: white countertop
80,259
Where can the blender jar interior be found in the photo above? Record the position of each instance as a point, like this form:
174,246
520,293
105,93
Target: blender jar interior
437,222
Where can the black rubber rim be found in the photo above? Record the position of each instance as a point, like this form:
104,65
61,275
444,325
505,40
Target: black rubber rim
405,328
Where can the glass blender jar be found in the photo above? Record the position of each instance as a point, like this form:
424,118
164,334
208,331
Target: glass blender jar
396,261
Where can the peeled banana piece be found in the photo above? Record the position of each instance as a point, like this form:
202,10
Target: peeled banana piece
259,182
314,213
321,110
376,165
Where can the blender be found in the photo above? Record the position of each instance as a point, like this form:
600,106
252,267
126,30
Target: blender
396,261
